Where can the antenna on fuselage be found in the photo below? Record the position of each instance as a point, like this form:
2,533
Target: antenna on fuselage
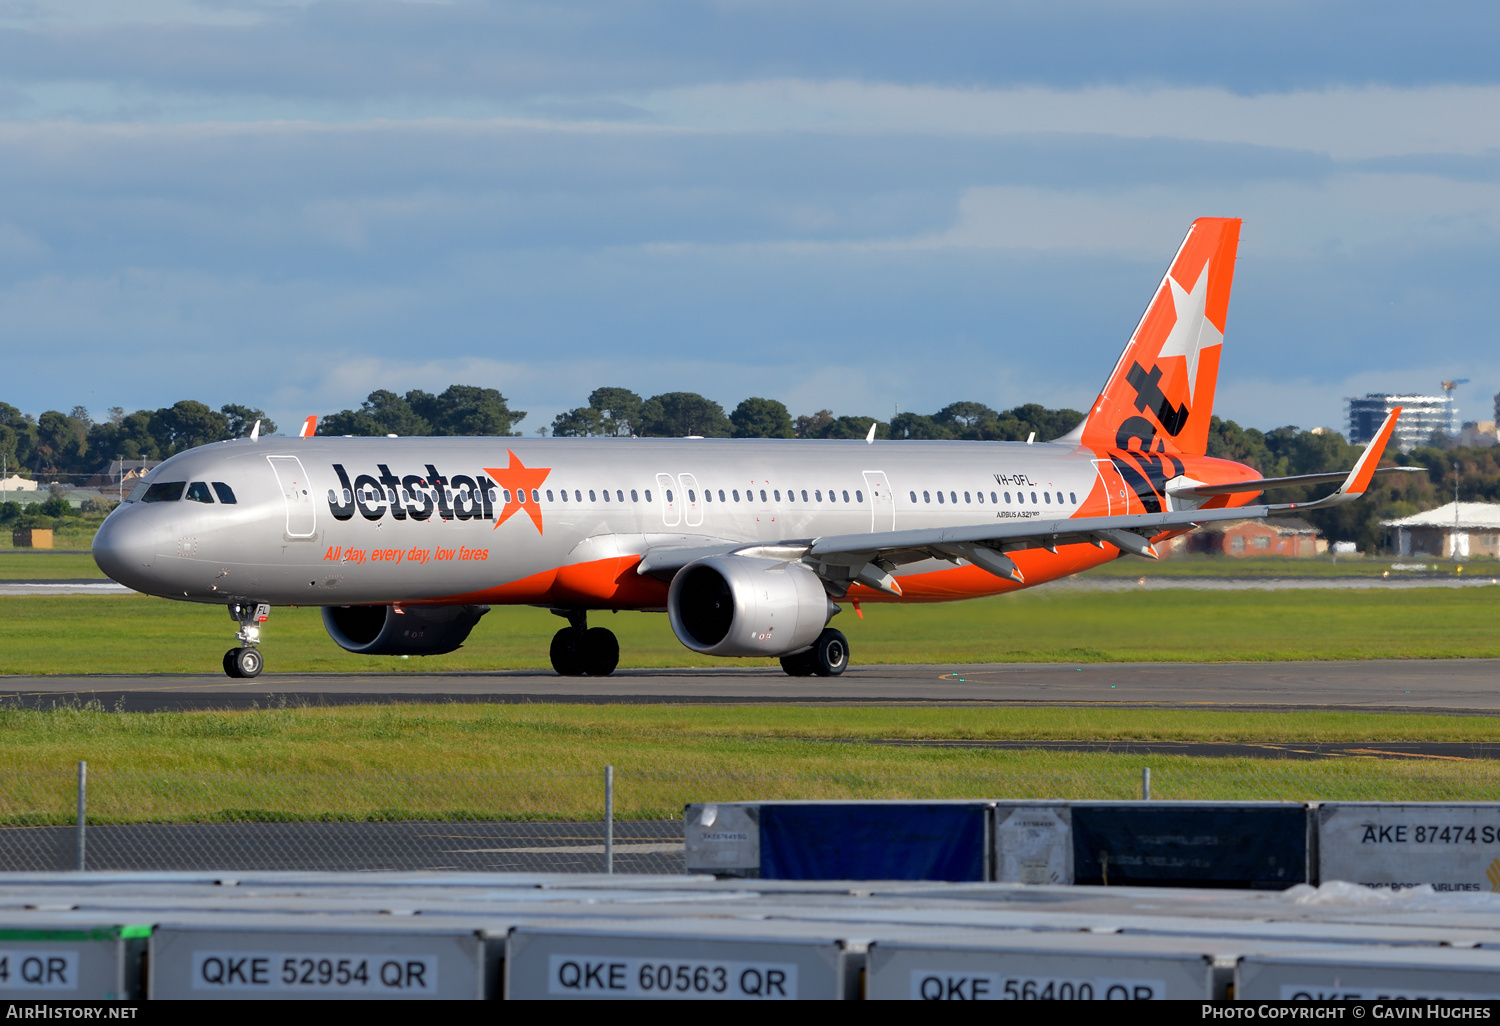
255,432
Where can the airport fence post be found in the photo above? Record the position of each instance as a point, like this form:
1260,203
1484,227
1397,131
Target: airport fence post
83,804
609,819
1145,783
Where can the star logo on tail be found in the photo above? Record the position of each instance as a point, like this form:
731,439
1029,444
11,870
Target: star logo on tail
520,483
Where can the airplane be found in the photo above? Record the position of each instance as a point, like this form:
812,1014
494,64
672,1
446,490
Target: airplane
750,546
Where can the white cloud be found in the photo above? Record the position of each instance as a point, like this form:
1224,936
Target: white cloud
1344,123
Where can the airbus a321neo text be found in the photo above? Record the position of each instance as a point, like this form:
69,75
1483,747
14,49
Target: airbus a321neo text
749,546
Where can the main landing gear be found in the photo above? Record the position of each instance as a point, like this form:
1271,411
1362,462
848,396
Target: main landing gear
581,650
828,657
246,661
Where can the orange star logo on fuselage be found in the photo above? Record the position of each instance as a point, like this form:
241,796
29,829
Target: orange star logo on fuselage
520,484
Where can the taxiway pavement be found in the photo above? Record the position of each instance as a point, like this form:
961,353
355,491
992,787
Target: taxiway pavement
1452,686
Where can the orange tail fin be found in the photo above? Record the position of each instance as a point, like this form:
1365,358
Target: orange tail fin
1161,394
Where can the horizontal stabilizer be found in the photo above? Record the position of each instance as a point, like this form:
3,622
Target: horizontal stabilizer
1267,483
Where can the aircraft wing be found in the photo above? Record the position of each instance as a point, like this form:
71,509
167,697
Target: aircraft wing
869,558
872,558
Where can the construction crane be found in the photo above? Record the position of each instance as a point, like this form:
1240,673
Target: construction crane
1449,386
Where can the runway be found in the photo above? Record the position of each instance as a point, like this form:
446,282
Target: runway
1467,686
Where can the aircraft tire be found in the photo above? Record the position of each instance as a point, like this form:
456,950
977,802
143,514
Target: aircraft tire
566,658
230,670
799,664
248,662
830,653
601,652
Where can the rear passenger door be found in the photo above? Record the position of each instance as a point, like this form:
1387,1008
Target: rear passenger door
691,499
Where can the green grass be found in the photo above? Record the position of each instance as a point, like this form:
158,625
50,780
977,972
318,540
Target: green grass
127,634
544,761
44,565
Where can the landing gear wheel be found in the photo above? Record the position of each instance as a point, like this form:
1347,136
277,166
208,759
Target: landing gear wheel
830,653
566,658
601,652
247,662
230,670
798,665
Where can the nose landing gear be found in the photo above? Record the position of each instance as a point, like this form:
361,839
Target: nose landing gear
581,650
246,661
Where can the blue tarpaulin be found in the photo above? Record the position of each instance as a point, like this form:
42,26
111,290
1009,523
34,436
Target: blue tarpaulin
876,841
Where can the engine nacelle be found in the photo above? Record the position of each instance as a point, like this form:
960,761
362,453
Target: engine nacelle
747,606
415,630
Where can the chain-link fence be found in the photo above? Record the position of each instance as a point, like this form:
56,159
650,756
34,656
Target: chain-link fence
555,821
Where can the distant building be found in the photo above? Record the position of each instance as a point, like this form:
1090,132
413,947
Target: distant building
121,473
1477,434
1277,536
1421,415
1455,531
16,483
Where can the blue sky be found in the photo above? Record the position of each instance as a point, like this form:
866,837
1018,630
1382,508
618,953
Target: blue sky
858,206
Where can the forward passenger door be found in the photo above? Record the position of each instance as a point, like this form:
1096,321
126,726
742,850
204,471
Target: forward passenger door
691,499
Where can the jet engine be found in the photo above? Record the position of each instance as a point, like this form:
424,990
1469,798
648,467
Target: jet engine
409,630
747,606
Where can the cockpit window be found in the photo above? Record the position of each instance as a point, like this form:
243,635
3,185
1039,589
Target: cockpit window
224,492
164,491
198,492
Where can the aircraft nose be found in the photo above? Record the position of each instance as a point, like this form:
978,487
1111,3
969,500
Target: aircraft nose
125,547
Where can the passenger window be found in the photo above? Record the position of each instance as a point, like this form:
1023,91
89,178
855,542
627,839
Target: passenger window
1033,498
859,496
966,496
997,501
564,495
606,495
669,495
979,496
913,498
804,495
817,495
1047,498
594,498
846,496
506,493
549,495
927,497
648,495
763,496
577,495
224,492
940,498
692,495
736,495
721,495
1073,499
954,497
164,491
708,495
619,495
635,496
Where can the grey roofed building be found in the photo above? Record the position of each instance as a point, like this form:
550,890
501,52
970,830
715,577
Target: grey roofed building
1421,415
1457,531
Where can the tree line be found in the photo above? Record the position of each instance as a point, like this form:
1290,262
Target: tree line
58,445
61,445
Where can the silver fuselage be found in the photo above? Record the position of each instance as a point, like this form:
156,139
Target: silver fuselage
291,538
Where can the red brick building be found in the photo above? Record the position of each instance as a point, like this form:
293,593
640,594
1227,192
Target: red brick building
1277,536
